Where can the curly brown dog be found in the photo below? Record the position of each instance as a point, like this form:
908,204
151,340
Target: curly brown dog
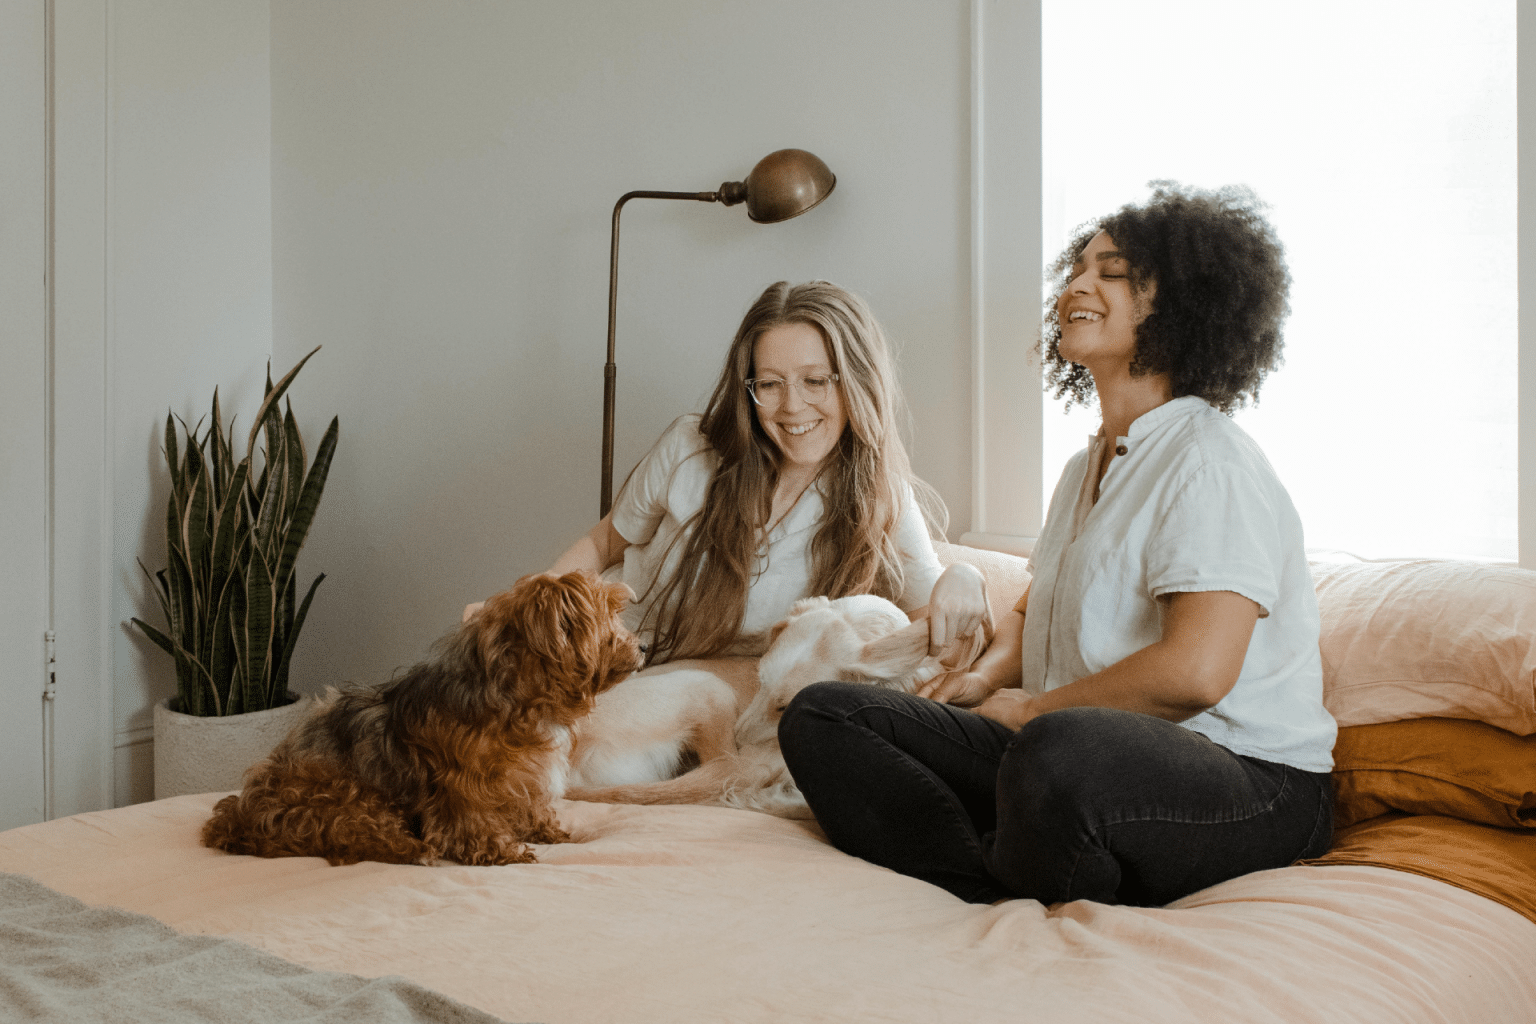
460,757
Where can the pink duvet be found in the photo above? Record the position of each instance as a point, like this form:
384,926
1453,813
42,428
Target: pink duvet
673,914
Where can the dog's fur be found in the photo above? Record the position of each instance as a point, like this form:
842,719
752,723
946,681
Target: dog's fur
631,746
459,758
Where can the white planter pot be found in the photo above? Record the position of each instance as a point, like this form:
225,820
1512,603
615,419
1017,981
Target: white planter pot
210,755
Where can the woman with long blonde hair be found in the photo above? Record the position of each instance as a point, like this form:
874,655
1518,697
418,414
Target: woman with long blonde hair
794,482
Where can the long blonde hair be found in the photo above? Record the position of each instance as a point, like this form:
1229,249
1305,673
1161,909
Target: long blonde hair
700,609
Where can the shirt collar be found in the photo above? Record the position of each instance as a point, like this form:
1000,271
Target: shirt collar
1168,412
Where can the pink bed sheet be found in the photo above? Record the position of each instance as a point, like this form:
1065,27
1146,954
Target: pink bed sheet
710,914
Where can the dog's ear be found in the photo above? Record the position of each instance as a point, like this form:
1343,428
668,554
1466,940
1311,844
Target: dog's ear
895,654
774,631
799,608
804,605
543,638
961,653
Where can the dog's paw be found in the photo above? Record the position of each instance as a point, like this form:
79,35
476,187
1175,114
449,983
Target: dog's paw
547,835
496,849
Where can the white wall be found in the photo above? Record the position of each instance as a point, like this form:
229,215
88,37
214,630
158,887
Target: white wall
443,177
163,289
433,185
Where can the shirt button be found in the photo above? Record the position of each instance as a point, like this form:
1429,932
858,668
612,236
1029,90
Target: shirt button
1121,449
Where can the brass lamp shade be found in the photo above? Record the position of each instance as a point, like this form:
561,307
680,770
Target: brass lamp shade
787,183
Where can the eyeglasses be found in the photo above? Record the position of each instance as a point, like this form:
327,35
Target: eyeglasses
770,392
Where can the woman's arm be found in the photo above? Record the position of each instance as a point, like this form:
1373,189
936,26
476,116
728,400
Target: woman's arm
1189,670
598,548
956,607
999,666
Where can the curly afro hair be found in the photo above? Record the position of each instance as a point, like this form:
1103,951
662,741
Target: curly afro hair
1220,300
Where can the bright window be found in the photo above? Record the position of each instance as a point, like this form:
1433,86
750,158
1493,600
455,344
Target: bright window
1383,137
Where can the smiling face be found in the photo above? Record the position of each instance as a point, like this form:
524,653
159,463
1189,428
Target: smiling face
1099,310
804,433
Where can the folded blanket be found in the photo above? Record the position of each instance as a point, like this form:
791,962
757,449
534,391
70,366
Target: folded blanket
1499,863
65,962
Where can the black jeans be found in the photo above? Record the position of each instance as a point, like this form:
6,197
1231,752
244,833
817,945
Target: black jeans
1083,803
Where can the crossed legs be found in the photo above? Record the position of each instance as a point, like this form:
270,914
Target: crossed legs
1085,803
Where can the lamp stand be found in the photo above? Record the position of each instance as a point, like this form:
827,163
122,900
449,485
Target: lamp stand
731,193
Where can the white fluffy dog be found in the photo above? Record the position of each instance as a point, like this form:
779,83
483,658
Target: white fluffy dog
640,733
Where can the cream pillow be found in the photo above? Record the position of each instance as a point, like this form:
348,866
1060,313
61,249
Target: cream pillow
1428,639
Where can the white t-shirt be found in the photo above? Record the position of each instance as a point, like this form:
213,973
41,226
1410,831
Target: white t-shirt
1190,505
668,487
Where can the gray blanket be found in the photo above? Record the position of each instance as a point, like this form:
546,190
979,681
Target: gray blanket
62,961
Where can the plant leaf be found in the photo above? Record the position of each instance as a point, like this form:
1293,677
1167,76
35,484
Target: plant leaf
230,519
161,640
179,577
293,446
195,533
274,503
274,395
172,457
157,582
280,682
216,457
259,607
309,500
235,695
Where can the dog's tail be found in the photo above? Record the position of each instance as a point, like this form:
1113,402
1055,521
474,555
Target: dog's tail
705,784
734,780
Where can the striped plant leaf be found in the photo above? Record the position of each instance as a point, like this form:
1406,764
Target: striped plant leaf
274,395
196,536
161,640
309,501
280,682
226,532
235,692
293,446
233,537
171,455
259,608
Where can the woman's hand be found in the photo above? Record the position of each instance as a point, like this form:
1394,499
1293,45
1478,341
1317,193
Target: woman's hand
1011,707
962,689
471,610
958,606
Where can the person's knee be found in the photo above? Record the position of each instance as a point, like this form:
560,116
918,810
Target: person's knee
828,700
1051,761
817,705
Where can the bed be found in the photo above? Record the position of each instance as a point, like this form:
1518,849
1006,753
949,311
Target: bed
1424,910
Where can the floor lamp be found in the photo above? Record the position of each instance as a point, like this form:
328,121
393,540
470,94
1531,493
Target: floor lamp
784,184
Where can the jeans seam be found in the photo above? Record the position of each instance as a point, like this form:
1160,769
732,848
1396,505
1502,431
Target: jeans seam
1285,781
1095,833
1324,805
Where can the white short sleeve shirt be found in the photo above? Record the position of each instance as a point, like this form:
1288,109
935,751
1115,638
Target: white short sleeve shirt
667,489
1189,503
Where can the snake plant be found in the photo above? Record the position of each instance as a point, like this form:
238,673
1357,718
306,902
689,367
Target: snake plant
232,541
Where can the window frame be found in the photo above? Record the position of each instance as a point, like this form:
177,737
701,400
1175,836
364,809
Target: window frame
1007,404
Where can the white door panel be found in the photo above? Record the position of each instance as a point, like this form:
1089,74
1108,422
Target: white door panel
23,455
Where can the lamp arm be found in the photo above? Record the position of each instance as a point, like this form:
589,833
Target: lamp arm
726,195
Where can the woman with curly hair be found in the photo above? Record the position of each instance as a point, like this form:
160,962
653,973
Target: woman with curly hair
1149,720
793,483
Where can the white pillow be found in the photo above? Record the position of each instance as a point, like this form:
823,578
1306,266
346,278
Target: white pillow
1428,639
